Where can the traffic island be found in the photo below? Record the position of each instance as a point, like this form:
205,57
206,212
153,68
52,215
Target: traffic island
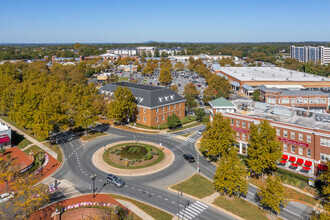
129,158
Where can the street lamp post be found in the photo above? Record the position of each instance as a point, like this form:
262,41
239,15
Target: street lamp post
179,194
93,177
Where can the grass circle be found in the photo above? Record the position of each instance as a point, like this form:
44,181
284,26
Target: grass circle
133,152
125,149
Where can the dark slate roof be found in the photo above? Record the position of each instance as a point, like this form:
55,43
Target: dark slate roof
146,95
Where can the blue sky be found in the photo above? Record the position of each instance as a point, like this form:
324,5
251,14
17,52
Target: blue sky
70,21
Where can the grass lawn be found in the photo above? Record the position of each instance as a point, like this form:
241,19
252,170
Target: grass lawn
34,148
152,211
241,208
56,149
121,79
111,163
197,186
186,135
291,193
29,132
188,119
188,126
24,143
92,135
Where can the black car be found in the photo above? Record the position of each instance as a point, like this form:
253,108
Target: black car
188,157
115,180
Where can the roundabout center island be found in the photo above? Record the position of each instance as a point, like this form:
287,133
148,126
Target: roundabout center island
129,158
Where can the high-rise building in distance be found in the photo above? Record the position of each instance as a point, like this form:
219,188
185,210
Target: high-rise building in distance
306,53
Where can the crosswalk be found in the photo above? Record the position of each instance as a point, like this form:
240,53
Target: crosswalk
192,211
169,135
191,140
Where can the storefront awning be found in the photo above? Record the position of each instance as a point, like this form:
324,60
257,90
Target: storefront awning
292,159
300,161
284,157
308,163
4,139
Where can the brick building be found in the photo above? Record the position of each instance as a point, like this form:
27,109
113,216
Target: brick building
305,142
154,103
307,99
5,136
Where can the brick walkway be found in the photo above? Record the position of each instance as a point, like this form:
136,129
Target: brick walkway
100,164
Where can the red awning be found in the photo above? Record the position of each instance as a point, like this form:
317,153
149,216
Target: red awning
4,139
300,161
283,161
306,168
308,163
285,157
292,159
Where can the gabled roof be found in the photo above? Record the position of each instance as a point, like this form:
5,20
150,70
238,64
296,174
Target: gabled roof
146,95
221,102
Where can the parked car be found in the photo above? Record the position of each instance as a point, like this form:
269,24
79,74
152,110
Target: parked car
200,132
115,180
188,157
6,196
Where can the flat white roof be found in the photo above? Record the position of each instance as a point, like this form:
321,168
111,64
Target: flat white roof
270,74
285,86
3,127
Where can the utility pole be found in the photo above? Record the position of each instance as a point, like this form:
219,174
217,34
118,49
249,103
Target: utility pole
93,177
179,194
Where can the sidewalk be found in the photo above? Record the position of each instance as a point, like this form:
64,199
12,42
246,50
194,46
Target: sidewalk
100,164
34,141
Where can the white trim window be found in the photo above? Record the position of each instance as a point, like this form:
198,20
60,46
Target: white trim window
301,137
156,110
243,124
138,118
163,117
309,152
324,142
285,147
278,131
293,135
293,149
144,110
300,151
324,157
156,118
144,119
179,113
285,133
237,122
309,138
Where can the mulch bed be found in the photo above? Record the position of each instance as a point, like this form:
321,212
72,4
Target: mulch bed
46,213
116,159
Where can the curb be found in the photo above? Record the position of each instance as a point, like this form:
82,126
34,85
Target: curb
119,170
198,199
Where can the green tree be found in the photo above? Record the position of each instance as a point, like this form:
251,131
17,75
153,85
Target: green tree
218,138
175,88
264,149
230,176
173,121
191,102
325,188
179,66
156,54
200,113
272,197
123,106
256,95
165,76
190,89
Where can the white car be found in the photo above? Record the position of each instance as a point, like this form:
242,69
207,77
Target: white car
6,196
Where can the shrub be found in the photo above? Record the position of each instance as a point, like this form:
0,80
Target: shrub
120,158
294,175
133,149
153,153
139,160
132,162
117,153
148,148
112,152
148,156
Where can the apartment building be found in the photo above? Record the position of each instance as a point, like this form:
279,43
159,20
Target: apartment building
154,104
307,53
5,136
127,51
305,142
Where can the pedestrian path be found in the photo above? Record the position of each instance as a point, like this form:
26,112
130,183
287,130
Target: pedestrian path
192,211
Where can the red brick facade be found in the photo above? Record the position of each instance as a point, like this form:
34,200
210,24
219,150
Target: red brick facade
158,116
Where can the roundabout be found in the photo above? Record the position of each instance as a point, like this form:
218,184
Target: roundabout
128,158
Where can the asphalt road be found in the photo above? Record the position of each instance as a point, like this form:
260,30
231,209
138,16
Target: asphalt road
152,188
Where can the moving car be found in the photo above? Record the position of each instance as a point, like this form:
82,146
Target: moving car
200,132
115,180
188,157
6,196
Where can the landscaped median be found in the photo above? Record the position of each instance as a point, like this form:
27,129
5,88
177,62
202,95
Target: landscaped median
202,189
129,158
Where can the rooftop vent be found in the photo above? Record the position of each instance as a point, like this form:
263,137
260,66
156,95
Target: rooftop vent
172,97
274,74
160,99
166,97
